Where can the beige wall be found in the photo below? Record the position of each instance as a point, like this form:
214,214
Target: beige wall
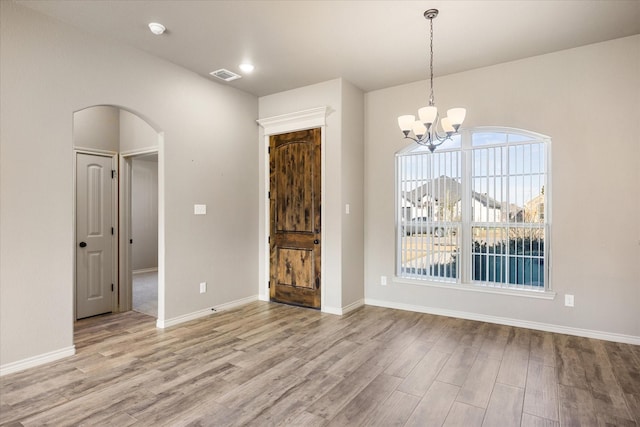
209,157
135,133
144,212
352,189
98,128
210,135
587,100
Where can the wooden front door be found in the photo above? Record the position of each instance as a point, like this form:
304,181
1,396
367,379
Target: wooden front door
295,171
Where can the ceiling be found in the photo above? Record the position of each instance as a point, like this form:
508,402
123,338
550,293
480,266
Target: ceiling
373,44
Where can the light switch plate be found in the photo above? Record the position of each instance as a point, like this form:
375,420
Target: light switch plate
199,209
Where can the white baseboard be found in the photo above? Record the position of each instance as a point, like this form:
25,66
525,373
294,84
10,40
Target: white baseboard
352,306
145,270
332,310
547,327
207,311
38,360
343,310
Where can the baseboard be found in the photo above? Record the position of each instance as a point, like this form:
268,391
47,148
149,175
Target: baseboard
205,312
34,361
145,270
343,310
547,327
352,306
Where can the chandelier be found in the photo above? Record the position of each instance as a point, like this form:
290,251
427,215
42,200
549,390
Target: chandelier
425,130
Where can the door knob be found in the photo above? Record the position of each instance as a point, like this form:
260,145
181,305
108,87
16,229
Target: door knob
83,244
316,241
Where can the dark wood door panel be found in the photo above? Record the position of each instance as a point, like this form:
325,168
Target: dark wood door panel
295,204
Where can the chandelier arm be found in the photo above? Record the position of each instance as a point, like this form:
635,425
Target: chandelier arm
442,137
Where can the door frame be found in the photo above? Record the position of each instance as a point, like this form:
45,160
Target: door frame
285,123
114,216
125,291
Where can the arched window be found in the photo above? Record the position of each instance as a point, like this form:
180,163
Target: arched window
476,210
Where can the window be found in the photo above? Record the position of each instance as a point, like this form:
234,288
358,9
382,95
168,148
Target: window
473,212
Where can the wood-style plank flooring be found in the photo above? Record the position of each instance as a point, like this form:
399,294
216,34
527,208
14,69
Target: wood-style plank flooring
267,364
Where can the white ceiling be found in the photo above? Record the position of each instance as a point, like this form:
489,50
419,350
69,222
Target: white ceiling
373,44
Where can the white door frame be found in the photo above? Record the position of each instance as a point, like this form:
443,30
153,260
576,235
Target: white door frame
301,120
125,276
114,216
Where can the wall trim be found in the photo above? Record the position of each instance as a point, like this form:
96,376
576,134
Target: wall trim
344,310
353,306
547,327
205,312
332,310
41,359
305,119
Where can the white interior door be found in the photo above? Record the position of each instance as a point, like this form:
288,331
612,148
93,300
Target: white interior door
94,235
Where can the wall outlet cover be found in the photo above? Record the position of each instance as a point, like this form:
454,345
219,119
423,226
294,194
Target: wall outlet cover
569,300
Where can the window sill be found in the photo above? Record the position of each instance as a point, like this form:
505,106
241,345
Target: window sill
526,293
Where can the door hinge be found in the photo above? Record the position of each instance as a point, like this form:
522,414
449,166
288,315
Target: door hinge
269,286
131,241
112,231
269,195
112,287
113,173
269,239
269,150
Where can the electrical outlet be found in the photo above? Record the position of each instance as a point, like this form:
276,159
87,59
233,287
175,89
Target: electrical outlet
568,300
383,280
203,287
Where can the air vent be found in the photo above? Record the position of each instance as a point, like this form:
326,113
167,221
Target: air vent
225,75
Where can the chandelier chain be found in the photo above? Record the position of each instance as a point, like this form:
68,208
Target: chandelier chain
431,98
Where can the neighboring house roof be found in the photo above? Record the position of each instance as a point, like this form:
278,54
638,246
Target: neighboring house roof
438,188
443,188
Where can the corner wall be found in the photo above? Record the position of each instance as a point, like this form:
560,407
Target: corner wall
342,279
588,101
209,138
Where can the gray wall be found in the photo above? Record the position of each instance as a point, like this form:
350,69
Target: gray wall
210,139
135,133
144,212
210,136
97,127
588,101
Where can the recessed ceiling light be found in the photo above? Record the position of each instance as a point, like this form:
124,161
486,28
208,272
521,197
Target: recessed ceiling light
156,28
246,67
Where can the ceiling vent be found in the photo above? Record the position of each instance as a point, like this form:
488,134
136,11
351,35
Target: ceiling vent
225,75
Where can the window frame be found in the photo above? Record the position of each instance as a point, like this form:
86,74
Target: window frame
464,280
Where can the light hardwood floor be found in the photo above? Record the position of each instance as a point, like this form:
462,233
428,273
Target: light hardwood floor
267,364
